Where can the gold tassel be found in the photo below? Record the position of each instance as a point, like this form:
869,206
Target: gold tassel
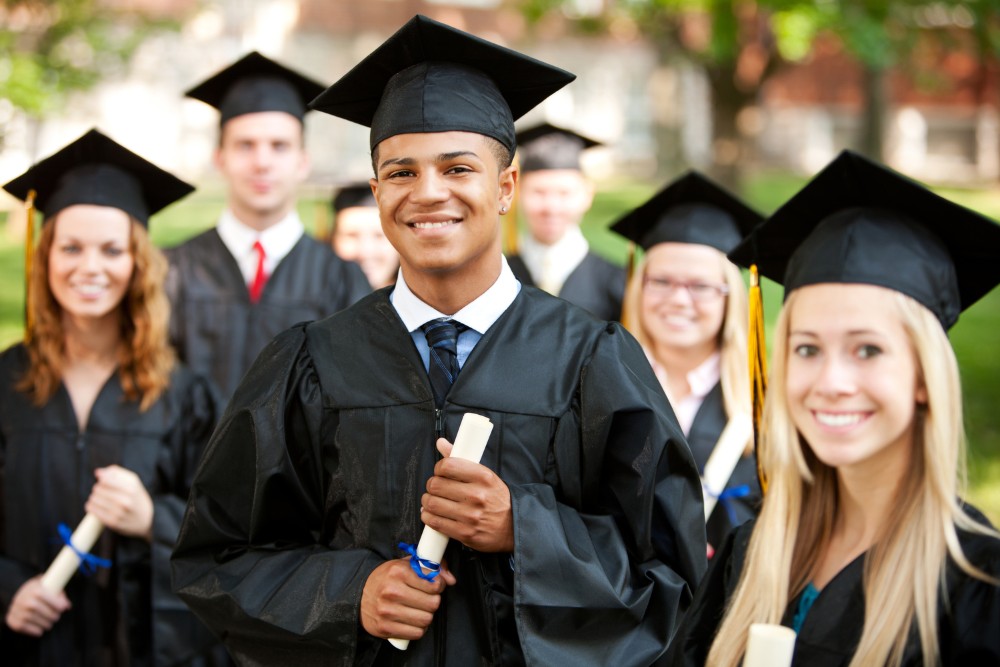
320,218
29,254
758,368
510,239
628,317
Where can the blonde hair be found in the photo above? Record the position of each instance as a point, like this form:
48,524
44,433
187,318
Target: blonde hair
732,338
146,358
797,516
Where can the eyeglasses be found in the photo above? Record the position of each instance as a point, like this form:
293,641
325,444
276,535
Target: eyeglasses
697,290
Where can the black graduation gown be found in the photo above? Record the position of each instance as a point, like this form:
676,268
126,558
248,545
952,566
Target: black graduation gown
316,471
702,437
596,285
218,332
968,621
127,615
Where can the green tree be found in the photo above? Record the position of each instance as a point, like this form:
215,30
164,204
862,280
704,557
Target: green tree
50,48
741,43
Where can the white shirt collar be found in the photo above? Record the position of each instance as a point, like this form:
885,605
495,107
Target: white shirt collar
550,265
278,240
701,380
705,376
479,315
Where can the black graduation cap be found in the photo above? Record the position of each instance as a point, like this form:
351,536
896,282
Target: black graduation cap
353,194
253,84
690,209
430,77
860,222
548,146
96,170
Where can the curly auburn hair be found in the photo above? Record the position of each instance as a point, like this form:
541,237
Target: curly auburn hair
145,356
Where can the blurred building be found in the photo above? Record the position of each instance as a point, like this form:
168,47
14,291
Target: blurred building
654,118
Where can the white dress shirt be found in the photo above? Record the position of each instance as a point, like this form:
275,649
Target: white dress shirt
278,240
478,316
550,265
700,380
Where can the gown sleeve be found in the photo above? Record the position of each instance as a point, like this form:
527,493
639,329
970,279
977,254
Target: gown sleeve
690,646
13,573
177,635
250,559
619,557
972,616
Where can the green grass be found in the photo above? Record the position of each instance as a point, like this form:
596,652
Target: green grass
974,337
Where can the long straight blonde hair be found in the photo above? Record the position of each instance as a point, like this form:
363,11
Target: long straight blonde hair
732,340
904,570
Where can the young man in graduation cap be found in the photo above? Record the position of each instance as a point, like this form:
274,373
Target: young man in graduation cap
237,285
579,537
555,195
358,237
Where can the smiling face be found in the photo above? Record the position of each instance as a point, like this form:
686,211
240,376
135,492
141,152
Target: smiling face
439,197
554,201
358,237
90,264
263,160
852,378
680,320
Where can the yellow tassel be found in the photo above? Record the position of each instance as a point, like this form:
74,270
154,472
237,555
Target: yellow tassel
29,254
320,218
758,368
510,239
628,318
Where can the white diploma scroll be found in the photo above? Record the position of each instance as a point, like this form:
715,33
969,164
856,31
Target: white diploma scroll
67,562
769,646
470,442
723,459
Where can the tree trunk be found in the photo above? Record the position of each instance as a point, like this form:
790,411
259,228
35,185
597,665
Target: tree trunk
731,149
871,140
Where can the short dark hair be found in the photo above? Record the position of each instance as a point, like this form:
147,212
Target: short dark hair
501,154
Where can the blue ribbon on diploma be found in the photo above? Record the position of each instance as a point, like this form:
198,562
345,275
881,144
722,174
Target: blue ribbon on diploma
420,564
741,491
88,562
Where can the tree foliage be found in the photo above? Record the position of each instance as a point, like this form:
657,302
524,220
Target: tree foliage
49,48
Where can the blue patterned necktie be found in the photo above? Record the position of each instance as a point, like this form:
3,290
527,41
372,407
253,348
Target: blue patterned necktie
442,339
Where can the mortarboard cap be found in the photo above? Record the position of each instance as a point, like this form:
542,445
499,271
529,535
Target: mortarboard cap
860,222
547,146
430,77
96,170
690,209
352,195
254,84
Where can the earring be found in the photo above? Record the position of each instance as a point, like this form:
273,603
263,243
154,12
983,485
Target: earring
503,209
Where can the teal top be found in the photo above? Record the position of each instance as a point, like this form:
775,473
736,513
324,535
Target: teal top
809,595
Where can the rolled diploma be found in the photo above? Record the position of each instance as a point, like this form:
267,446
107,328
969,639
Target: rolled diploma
67,562
470,442
769,646
724,457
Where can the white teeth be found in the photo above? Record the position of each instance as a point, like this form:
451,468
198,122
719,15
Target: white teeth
433,225
839,418
90,290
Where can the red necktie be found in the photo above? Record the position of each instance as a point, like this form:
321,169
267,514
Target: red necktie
260,278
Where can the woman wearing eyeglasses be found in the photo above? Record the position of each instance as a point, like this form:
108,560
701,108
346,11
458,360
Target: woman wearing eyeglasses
686,304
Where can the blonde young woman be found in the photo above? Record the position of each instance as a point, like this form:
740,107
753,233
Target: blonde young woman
96,417
686,304
863,545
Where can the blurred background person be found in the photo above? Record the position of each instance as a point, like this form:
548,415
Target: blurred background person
863,546
686,304
237,285
554,195
358,237
96,416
